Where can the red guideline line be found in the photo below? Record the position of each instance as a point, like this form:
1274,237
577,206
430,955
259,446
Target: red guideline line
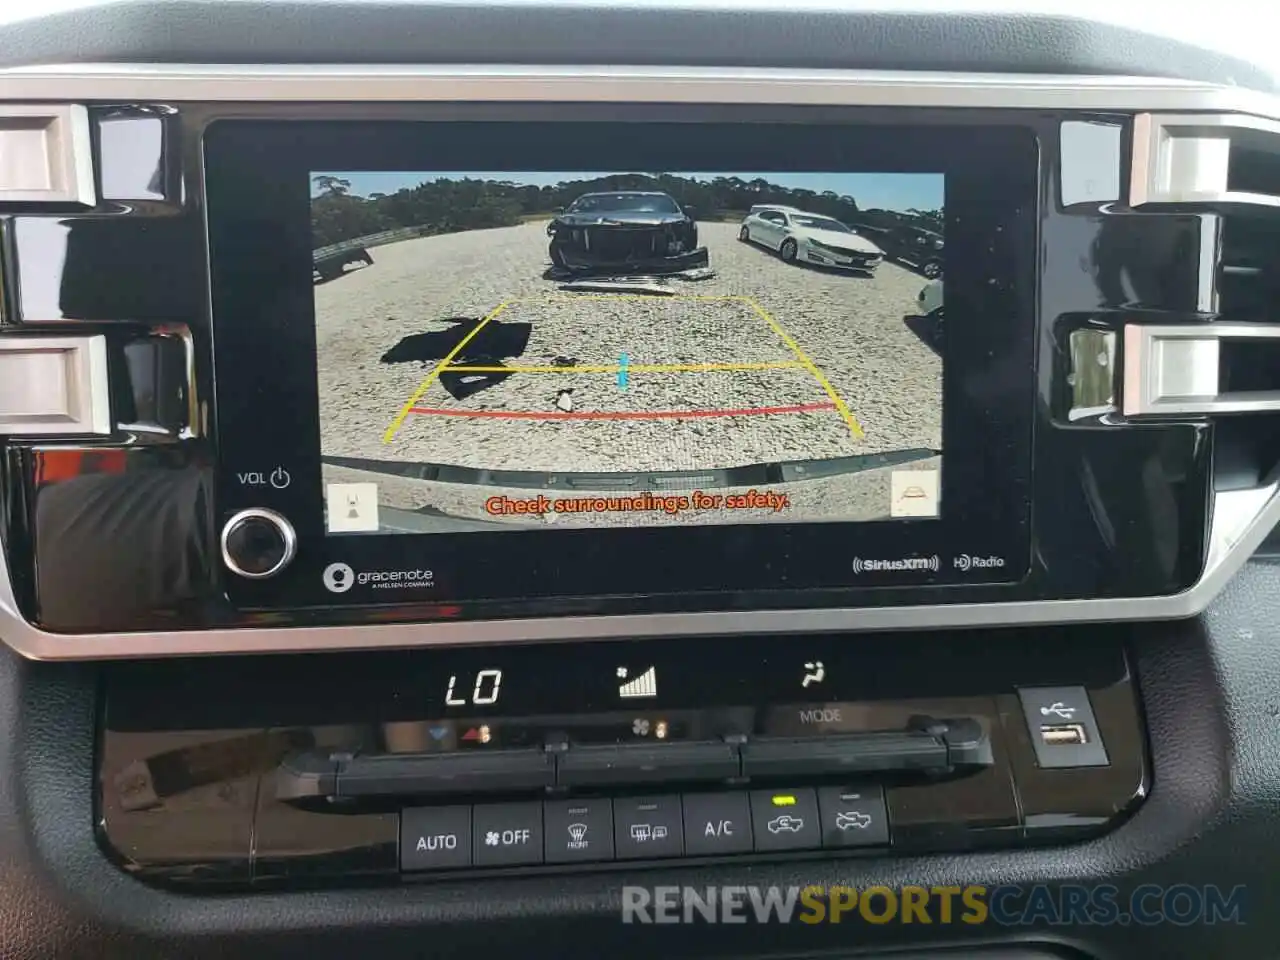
621,415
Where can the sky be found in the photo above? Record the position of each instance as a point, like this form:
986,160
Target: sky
872,191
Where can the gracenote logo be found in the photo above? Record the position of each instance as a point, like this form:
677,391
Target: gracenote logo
340,577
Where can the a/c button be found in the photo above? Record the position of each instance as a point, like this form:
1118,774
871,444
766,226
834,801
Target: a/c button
716,823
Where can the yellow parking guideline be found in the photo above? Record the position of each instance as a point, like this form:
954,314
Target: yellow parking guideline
637,368
655,297
390,433
854,427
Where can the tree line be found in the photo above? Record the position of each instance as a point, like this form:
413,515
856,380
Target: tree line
449,206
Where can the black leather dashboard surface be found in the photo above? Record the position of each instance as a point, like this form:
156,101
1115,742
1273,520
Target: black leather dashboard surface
686,33
1210,687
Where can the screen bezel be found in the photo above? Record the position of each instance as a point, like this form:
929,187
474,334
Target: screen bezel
258,196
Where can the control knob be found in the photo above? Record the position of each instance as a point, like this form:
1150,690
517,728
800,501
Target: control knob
258,544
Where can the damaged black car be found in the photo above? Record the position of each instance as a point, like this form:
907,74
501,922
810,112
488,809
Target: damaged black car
625,233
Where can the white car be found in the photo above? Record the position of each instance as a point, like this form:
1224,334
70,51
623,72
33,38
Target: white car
802,237
930,299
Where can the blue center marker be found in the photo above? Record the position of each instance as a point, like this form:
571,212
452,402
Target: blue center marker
622,372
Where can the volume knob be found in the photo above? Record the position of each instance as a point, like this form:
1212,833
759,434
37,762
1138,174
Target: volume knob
257,544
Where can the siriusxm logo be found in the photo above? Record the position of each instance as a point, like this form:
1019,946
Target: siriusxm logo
907,563
340,577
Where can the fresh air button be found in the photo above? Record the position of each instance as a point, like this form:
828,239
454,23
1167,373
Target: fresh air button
505,834
716,823
853,816
785,819
578,830
432,838
645,827
1063,730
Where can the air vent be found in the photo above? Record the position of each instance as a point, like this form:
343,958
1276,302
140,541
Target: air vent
1226,360
1213,162
1228,165
45,156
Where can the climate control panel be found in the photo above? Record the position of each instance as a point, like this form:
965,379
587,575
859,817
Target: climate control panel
652,827
426,765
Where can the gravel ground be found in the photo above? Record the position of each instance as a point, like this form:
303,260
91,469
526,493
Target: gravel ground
849,328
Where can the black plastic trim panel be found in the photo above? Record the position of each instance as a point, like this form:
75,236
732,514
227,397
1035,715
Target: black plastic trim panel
1210,690
688,33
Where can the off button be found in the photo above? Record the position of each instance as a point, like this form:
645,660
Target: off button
507,834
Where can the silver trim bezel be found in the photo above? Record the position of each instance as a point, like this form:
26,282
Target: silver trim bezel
1241,521
66,153
513,83
1241,518
1181,159
287,534
1173,370
87,398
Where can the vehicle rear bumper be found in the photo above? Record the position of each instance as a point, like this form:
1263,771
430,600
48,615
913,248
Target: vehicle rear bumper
580,263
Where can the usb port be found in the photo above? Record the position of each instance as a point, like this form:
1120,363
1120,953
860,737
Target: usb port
1064,734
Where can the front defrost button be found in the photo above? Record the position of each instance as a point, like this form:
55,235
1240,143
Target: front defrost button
578,830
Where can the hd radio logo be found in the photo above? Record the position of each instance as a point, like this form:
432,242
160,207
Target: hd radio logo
972,905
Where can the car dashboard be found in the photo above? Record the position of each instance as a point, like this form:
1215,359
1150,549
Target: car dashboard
655,480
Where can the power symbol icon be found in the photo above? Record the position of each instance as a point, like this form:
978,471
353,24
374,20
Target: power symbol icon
280,478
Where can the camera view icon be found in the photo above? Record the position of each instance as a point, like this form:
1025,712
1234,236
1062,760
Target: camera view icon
351,507
339,578
914,493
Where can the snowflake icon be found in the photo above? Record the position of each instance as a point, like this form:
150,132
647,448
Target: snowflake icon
491,838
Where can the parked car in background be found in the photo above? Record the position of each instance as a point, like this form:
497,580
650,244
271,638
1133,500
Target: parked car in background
930,299
915,247
802,237
628,232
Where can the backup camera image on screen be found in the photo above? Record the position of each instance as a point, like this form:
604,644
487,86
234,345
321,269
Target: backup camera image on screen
555,350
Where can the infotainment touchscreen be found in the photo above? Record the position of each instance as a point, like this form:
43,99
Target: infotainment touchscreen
548,350
512,366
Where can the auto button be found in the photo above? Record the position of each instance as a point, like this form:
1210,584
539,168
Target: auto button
435,837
